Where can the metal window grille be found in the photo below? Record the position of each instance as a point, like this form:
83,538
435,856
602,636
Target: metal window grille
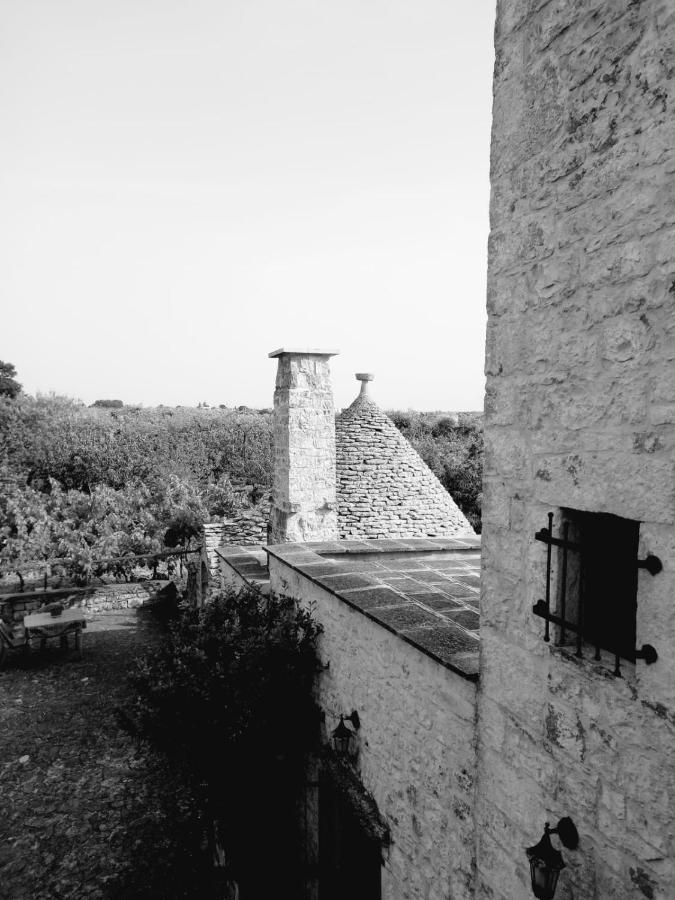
596,573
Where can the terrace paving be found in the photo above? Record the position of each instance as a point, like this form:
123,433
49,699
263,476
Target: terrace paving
426,590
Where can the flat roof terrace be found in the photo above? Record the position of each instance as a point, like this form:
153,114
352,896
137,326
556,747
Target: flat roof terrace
425,590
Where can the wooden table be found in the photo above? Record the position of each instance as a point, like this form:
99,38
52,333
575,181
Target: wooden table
45,626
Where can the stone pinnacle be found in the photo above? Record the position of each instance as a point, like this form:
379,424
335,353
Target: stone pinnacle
364,378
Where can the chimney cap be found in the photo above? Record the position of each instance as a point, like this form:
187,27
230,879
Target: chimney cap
301,351
365,376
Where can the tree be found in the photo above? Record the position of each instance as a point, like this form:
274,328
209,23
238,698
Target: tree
26,528
229,698
108,404
8,384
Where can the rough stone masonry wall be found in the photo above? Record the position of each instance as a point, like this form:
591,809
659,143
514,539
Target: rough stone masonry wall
303,501
248,526
384,488
212,536
580,413
416,740
14,607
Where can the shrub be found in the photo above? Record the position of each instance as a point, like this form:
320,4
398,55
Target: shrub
229,699
108,404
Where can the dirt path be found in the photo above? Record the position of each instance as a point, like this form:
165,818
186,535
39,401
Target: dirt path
82,813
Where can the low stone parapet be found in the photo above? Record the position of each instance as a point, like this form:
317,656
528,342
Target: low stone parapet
13,607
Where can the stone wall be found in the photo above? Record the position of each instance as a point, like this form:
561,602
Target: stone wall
303,499
248,526
580,413
212,536
13,607
416,741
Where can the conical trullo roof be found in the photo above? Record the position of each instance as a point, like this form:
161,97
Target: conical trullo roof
384,488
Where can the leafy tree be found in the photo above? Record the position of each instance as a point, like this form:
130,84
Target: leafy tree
401,420
9,386
444,427
88,484
221,499
85,528
26,528
229,699
108,404
80,447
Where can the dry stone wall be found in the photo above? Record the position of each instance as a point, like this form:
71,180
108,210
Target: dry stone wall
384,488
580,413
14,607
249,526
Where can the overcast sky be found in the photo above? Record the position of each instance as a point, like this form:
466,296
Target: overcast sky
186,186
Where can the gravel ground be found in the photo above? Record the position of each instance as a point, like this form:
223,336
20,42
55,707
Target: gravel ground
85,812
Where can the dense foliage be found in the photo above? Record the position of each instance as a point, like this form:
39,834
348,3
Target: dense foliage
108,404
93,483
228,697
91,530
54,437
90,484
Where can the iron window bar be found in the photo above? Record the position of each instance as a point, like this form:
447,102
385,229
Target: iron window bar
542,608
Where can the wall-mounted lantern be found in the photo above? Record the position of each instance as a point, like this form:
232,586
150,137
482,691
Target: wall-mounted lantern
546,862
344,739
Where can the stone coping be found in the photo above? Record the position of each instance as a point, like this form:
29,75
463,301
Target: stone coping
425,590
301,351
249,562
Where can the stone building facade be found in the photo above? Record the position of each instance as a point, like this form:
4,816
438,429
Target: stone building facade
400,643
470,741
580,423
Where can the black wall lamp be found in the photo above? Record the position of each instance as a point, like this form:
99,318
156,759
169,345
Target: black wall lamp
546,862
344,739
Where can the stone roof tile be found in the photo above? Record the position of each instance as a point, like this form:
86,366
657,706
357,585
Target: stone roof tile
384,487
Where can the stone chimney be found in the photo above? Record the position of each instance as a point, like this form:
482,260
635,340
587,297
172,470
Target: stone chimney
304,506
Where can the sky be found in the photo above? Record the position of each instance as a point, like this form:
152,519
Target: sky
188,186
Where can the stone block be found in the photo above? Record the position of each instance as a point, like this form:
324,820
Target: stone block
631,486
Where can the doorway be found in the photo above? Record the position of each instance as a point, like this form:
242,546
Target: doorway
350,859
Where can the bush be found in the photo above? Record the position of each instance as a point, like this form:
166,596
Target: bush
53,437
229,699
96,483
108,404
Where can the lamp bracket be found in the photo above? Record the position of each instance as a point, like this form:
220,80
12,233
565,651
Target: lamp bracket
353,717
567,832
651,563
648,653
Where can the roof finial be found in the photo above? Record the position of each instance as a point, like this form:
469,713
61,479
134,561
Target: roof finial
364,378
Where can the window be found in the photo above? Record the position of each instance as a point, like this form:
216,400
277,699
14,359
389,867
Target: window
591,584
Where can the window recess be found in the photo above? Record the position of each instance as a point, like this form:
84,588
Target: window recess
591,585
